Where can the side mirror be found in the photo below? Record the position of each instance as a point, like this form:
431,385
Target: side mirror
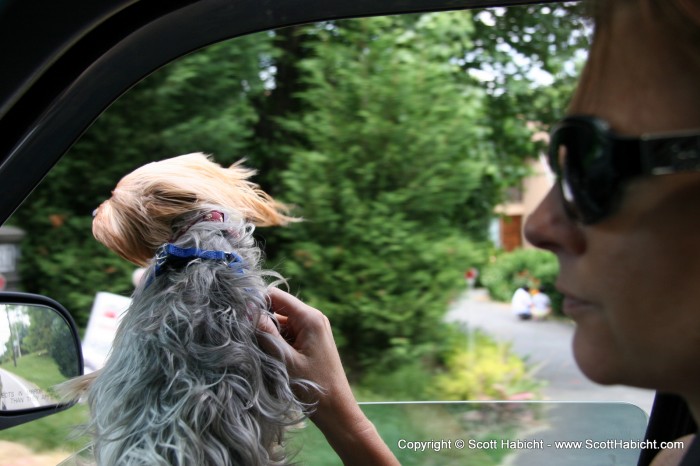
39,349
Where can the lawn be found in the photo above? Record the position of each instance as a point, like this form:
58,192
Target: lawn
40,369
398,423
440,425
55,432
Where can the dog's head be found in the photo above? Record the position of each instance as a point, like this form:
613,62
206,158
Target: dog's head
148,204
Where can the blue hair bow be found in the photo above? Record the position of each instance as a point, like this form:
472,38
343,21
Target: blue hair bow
170,255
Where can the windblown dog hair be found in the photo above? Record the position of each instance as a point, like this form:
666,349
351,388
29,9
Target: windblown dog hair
186,382
147,204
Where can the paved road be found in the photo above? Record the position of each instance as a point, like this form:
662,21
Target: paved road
18,393
546,345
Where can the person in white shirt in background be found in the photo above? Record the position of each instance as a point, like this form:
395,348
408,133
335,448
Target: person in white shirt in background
521,303
541,304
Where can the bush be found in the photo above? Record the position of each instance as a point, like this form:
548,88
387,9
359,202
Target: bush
508,271
63,261
461,366
484,370
384,287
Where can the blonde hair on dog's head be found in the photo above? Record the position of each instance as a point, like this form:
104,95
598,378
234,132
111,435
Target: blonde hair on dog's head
147,205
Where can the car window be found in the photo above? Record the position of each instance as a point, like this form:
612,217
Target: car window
412,147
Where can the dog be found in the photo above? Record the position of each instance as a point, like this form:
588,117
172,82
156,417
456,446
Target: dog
186,382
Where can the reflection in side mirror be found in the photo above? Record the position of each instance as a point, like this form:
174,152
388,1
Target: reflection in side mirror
39,349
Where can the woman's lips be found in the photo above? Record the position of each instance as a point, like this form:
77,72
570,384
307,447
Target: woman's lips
574,307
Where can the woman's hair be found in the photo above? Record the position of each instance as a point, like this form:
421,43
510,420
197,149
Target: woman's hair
683,16
186,382
679,20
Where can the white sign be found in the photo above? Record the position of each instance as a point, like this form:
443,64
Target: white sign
9,253
107,311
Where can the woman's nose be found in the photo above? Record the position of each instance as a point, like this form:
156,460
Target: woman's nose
549,227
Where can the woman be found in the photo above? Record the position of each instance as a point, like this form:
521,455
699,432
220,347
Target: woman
623,221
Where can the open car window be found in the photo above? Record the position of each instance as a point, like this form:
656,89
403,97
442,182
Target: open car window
412,147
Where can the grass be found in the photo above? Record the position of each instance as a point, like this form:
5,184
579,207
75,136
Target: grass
399,423
410,422
54,432
40,369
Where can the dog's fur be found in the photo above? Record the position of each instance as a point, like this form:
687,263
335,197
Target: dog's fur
147,206
186,382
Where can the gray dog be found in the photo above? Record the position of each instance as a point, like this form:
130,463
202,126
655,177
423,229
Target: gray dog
186,382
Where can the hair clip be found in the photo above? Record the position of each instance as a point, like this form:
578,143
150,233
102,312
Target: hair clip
170,255
213,216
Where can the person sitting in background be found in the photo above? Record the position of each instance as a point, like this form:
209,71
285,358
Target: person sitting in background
521,303
541,304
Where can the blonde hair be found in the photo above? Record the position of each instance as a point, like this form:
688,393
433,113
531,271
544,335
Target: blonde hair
147,207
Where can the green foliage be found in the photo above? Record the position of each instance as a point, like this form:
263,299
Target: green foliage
55,432
48,334
40,369
63,349
461,365
200,103
523,267
483,370
70,266
396,422
528,60
398,179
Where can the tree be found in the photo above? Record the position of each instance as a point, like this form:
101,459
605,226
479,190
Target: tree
398,178
528,60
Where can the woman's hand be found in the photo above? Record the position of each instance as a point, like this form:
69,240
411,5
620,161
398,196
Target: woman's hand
310,353
310,350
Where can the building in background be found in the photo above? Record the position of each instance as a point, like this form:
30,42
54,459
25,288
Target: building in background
521,201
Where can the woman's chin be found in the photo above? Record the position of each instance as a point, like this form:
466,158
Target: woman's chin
596,359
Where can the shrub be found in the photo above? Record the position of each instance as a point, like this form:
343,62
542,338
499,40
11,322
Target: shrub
384,287
462,366
508,271
484,370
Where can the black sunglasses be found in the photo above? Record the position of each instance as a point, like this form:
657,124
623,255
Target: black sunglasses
592,163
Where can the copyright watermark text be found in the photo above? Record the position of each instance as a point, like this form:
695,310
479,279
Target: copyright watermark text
530,444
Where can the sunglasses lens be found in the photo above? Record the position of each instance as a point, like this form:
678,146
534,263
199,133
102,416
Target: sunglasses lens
560,163
580,159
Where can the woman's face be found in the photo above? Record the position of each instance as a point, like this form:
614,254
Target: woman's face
632,281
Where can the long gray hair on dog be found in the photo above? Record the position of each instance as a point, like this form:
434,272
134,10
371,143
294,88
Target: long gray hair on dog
186,382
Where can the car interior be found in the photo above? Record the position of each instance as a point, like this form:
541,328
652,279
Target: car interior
64,64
